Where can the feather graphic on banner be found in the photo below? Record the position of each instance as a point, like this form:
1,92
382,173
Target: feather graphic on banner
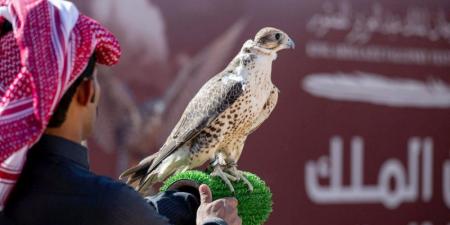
378,89
140,27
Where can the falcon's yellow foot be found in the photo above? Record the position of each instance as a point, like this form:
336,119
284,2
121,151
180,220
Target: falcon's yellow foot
240,176
218,172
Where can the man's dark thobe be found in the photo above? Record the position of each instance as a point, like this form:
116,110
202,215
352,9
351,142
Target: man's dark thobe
57,188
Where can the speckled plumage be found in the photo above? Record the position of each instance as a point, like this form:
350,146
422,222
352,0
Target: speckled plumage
217,121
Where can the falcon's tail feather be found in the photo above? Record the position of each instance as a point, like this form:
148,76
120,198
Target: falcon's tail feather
138,172
145,183
176,162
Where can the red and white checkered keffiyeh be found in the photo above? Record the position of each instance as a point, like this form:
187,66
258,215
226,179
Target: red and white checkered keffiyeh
49,47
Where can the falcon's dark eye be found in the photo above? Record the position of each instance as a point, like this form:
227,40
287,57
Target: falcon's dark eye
277,36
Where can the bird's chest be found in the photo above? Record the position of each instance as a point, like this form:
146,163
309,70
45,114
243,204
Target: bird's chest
246,109
258,84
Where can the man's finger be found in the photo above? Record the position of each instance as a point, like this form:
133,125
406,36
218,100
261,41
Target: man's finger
231,201
239,221
205,194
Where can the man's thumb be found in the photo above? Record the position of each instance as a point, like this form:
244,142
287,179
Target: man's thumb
205,194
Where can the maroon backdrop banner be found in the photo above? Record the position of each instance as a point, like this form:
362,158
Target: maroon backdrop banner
361,132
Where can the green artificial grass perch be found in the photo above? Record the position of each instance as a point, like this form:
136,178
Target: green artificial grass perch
254,207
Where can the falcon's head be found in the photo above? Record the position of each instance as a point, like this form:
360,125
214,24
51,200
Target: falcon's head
273,39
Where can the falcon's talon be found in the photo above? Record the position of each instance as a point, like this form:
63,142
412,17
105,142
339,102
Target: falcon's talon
231,177
249,185
240,175
219,173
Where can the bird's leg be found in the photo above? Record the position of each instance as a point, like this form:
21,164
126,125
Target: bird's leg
218,164
222,163
217,167
218,172
232,169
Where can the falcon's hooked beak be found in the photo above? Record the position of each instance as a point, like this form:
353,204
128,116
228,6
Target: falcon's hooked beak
287,44
290,43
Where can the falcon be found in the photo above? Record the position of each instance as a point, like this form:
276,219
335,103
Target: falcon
217,121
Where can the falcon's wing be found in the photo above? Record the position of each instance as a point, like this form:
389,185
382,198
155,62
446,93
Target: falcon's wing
212,99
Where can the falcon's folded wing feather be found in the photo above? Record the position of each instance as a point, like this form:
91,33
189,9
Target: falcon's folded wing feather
213,98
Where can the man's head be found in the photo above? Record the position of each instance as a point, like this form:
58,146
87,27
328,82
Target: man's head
43,60
76,113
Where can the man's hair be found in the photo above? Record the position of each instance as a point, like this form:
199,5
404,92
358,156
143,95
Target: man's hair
59,115
5,28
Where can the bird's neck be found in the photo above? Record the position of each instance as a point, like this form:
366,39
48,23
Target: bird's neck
261,71
264,52
250,47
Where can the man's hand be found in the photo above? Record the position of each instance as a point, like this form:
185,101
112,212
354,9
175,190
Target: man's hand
224,208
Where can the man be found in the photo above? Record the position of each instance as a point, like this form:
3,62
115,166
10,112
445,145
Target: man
49,95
